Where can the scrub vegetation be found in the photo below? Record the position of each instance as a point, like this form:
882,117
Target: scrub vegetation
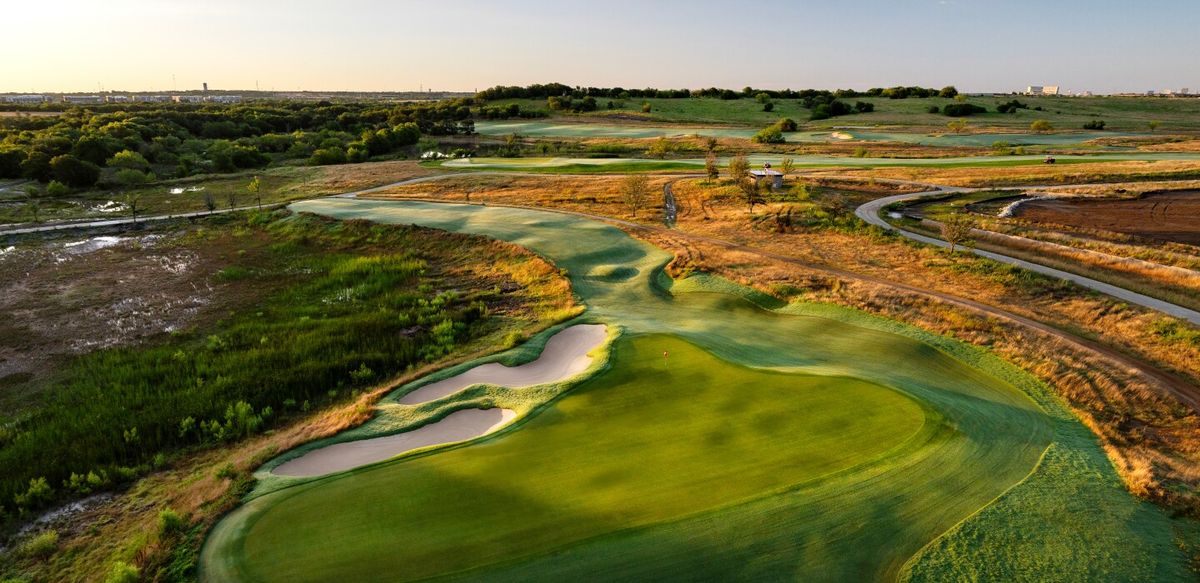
309,314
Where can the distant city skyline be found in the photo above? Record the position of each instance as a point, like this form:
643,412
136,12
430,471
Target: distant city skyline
1102,46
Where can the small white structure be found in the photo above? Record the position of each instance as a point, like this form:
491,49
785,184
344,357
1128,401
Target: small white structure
152,98
775,176
116,98
1042,90
187,98
225,98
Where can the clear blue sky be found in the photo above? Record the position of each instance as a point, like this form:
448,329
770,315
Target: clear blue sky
978,45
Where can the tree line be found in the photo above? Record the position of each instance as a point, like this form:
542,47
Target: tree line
547,90
128,144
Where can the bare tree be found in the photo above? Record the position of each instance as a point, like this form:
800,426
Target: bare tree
957,126
752,192
33,205
210,202
133,201
710,166
710,144
956,230
635,192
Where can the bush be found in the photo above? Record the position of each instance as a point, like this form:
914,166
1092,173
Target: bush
1041,126
1011,106
962,109
74,172
41,546
122,572
170,522
327,156
768,106
864,107
787,124
770,135
56,188
934,109
1094,125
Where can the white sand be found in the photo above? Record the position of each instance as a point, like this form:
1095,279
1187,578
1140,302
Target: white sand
565,356
455,427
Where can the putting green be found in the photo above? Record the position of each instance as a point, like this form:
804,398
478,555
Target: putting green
648,441
630,475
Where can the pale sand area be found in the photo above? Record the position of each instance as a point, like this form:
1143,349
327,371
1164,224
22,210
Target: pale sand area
565,355
457,426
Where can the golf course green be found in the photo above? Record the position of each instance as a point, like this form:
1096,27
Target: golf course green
722,435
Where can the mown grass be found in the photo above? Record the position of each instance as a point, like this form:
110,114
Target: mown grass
353,303
759,431
987,428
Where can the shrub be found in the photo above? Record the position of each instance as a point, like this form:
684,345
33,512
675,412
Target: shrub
122,572
768,106
646,107
864,107
74,172
962,109
41,546
787,124
1041,126
1094,125
934,109
327,156
56,188
170,522
769,135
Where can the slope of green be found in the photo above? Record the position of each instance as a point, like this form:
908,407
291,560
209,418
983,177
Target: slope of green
713,432
987,426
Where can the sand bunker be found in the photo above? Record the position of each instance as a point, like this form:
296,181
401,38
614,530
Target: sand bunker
565,355
457,426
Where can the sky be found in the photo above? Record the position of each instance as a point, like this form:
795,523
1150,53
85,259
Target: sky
400,45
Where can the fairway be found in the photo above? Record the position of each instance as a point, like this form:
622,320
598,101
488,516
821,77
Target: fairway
635,130
848,446
704,434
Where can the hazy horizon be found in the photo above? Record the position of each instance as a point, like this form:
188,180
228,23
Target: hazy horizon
370,45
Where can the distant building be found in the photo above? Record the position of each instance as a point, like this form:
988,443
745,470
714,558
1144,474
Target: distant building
152,98
775,176
1042,90
225,98
82,99
1185,91
187,98
116,98
26,99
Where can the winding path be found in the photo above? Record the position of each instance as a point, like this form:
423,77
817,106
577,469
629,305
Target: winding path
870,212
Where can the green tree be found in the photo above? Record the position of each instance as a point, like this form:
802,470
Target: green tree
254,189
129,159
787,166
1041,126
738,167
769,135
956,229
957,126
74,172
660,148
635,192
1154,125
948,92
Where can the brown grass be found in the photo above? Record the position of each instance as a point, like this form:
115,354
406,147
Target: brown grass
1041,174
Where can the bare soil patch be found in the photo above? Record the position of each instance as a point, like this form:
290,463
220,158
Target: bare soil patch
1163,216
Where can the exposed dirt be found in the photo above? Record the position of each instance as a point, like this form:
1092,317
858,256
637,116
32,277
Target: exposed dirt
1164,216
